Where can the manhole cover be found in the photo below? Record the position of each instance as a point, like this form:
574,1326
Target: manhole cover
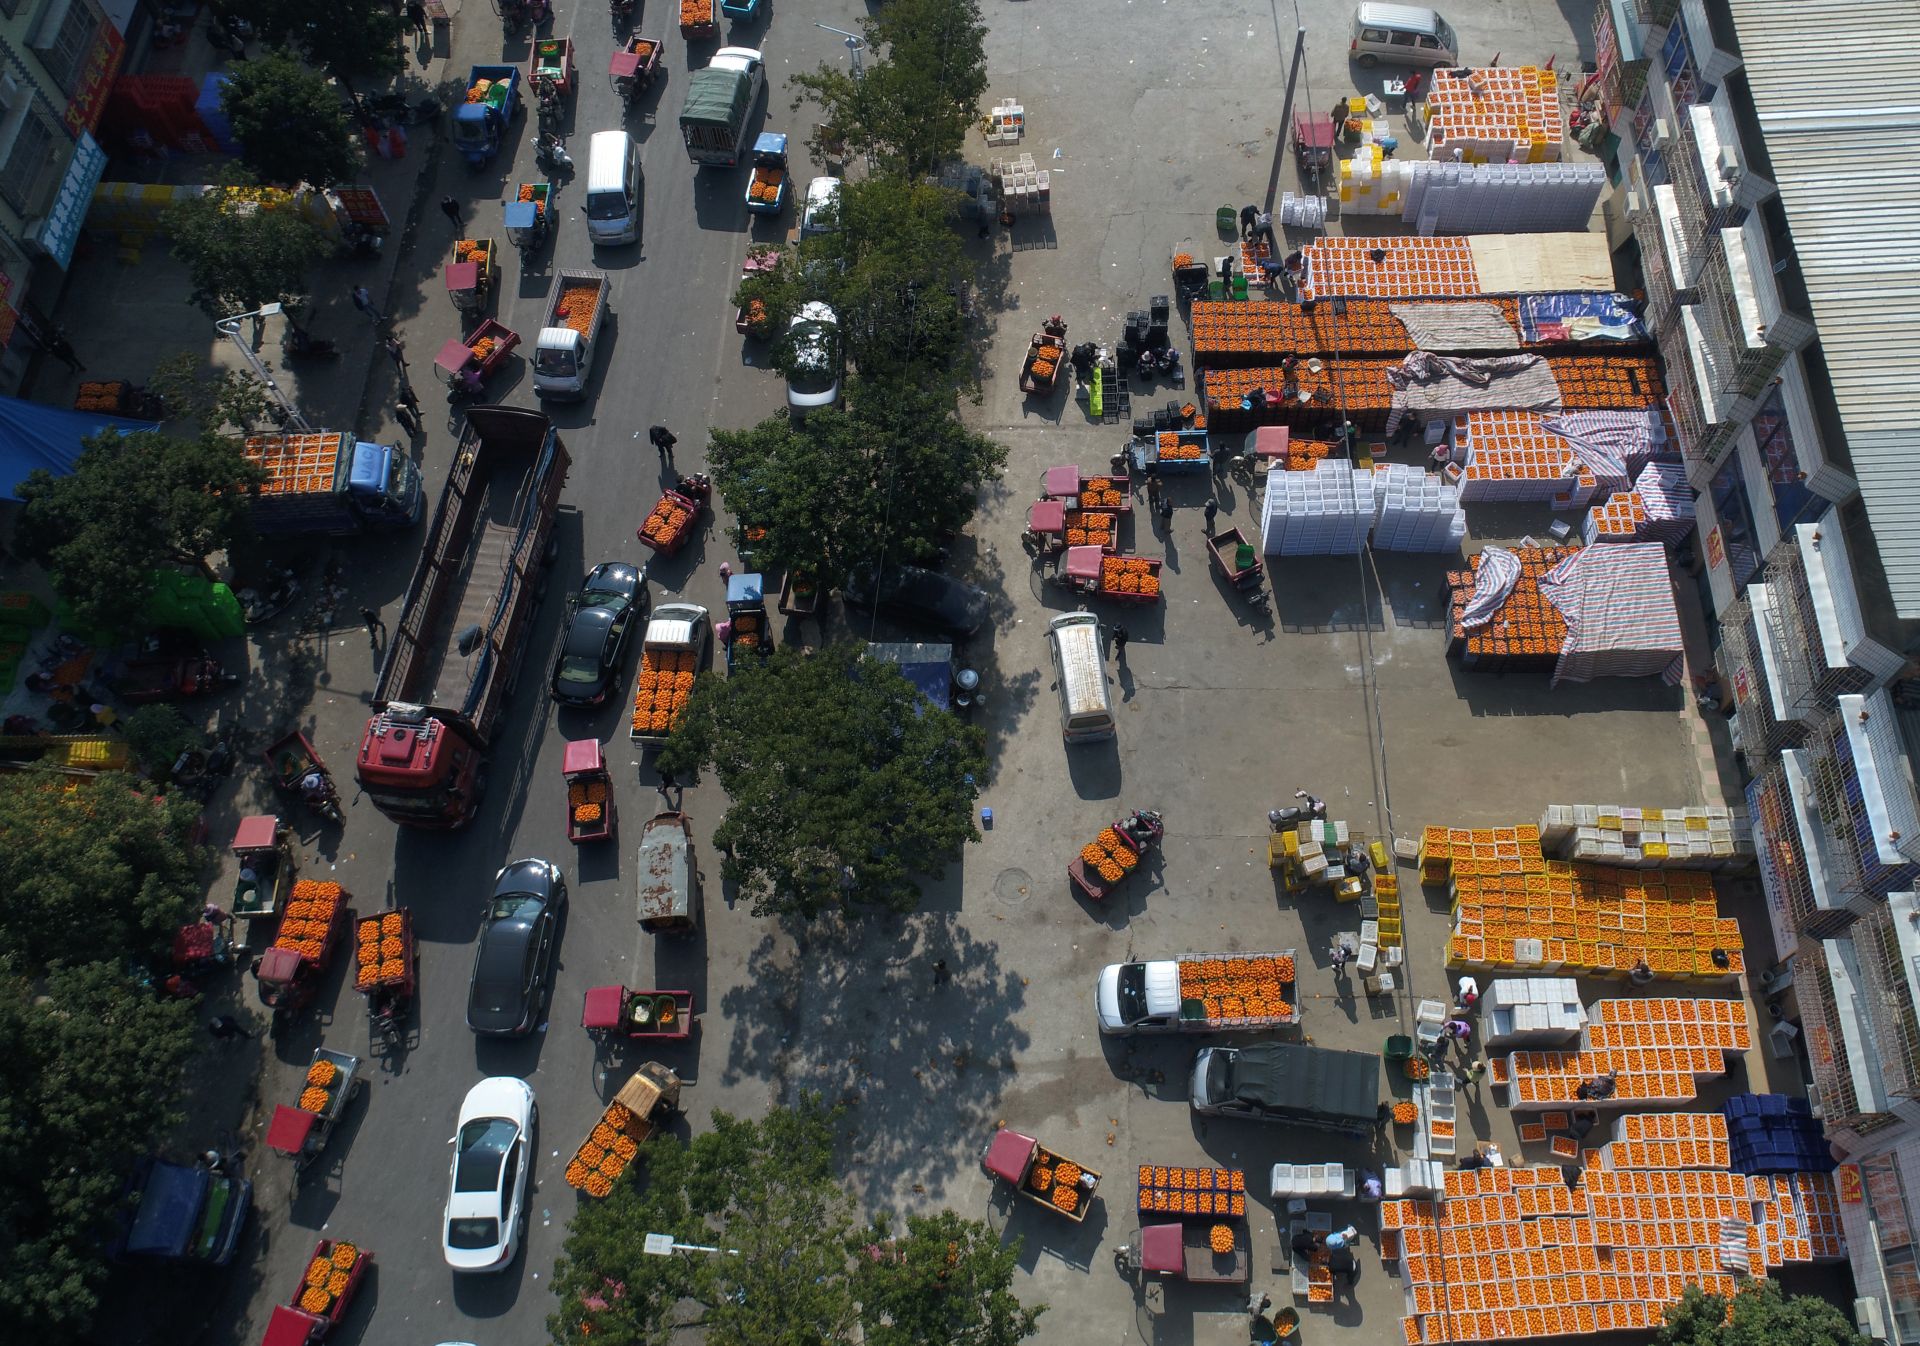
1014,886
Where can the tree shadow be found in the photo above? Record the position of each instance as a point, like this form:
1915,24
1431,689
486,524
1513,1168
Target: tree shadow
854,1013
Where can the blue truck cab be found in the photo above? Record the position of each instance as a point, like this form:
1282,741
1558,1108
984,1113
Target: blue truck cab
182,1214
480,120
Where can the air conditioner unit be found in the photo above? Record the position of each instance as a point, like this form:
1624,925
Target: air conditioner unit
1868,1318
1729,163
1662,132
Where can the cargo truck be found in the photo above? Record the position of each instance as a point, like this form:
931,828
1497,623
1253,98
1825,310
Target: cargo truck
563,354
1198,993
673,654
457,645
1290,1082
327,483
720,101
183,1214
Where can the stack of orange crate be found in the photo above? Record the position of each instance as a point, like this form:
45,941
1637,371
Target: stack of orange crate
1658,1049
1526,631
1509,1254
1498,115
1410,268
1668,1140
1230,333
1594,920
1511,455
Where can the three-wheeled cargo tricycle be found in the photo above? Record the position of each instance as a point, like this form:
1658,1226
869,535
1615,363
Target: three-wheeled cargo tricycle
1041,1176
265,851
465,364
1046,353
1237,559
1312,144
1106,862
310,930
331,1278
616,1012
550,74
473,273
644,1104
675,517
590,806
633,67
387,969
299,770
529,216
1185,1252
301,1132
669,901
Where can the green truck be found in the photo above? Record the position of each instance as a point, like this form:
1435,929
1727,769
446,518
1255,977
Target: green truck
720,101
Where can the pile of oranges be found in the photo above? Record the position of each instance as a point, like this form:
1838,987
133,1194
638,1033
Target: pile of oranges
1173,449
1096,492
1091,528
1130,575
661,691
663,525
380,951
606,1152
696,13
309,915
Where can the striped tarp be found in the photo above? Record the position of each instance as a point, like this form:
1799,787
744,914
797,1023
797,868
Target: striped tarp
1621,618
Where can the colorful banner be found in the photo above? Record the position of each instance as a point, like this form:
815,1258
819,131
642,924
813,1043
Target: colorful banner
363,207
1716,550
96,81
60,230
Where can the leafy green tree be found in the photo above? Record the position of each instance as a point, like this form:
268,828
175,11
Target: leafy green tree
242,254
763,1194
916,102
103,857
893,273
157,735
894,475
242,247
90,1071
1759,1315
208,394
789,1265
845,784
290,122
948,1281
131,505
345,38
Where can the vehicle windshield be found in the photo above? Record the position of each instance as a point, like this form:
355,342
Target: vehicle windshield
402,479
1220,1076
555,362
1445,34
508,905
473,1235
1133,992
608,601
606,205
483,1150
580,668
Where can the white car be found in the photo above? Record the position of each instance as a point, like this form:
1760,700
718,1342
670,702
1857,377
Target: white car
815,377
486,1213
821,213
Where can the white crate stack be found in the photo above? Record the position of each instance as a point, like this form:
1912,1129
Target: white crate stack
1414,510
1532,1011
1021,184
1006,123
1311,1180
1324,512
1465,198
1302,212
1709,836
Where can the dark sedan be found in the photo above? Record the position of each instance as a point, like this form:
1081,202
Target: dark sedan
600,620
916,597
513,966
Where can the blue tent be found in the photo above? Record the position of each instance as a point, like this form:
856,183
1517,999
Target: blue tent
34,435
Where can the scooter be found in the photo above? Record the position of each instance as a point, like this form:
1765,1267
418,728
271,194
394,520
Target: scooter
300,346
620,10
257,607
323,800
1309,809
549,97
550,153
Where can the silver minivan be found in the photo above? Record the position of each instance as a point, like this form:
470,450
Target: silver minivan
1402,35
1080,672
613,188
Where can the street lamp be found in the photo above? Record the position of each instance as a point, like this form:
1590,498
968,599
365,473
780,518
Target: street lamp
230,327
663,1245
855,44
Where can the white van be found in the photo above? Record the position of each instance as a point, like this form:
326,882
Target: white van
613,188
1402,35
1080,672
821,213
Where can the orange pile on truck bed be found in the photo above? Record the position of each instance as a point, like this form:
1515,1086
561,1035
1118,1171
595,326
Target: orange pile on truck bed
575,308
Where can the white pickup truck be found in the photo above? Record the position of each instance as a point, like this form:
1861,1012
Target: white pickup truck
1198,993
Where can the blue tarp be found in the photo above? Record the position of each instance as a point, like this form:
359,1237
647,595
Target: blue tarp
33,435
928,667
1578,315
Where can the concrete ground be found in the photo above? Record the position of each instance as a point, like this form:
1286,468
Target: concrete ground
1149,116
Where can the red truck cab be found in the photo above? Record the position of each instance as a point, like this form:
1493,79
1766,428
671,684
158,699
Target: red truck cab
419,769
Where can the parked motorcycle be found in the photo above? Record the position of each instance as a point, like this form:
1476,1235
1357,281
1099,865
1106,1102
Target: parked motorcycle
1309,809
550,153
257,607
302,345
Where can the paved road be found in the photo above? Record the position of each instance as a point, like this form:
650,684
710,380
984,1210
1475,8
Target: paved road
1159,115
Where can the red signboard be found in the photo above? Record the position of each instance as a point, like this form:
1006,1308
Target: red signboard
1716,550
96,80
363,207
1848,1176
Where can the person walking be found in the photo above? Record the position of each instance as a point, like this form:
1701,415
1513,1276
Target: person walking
1413,83
668,781
941,973
396,352
1166,510
409,418
417,16
363,300
62,350
225,1028
1213,508
376,629
1120,642
662,439
450,207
